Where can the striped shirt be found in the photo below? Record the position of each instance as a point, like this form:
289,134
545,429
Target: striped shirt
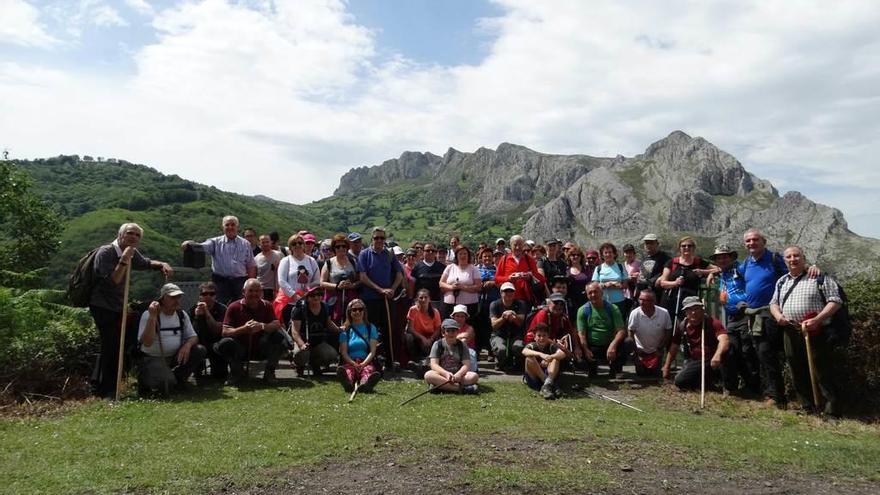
230,257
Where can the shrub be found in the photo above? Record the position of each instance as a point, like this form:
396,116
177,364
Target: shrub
45,346
860,374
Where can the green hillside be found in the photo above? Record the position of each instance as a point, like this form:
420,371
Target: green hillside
94,198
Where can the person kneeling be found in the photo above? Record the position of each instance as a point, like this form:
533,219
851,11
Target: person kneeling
688,333
169,343
450,362
357,345
310,318
543,362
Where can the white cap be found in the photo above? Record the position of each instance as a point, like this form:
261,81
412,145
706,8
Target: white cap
507,286
460,308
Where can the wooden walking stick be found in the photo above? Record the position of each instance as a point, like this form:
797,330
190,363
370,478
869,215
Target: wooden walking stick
703,359
122,327
390,332
810,365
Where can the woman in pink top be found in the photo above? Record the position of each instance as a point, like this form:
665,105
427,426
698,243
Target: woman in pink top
461,282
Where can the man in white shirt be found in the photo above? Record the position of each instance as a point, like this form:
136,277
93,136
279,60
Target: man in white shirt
169,343
650,327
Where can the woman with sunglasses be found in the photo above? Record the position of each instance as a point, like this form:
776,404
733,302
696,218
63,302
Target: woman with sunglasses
357,346
339,277
489,293
579,276
297,272
684,274
461,282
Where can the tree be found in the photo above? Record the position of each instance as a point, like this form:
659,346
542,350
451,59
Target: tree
28,228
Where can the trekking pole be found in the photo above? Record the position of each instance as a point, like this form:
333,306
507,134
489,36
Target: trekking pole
810,365
703,362
390,331
122,326
619,402
433,387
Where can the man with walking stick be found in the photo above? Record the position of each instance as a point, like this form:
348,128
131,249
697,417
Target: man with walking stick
381,275
112,266
804,315
169,343
703,335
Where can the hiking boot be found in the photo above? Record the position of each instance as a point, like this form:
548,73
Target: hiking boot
269,376
301,371
236,374
470,389
418,369
547,391
316,371
371,382
343,378
557,391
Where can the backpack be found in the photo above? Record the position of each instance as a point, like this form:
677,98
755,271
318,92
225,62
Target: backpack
840,329
81,282
622,271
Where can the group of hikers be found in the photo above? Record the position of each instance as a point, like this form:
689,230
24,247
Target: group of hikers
358,306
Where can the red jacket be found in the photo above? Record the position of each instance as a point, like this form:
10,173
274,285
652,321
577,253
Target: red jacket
508,265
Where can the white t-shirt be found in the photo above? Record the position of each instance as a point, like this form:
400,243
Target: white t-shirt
468,276
171,327
649,331
298,275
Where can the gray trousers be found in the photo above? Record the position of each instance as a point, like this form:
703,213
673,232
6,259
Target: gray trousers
162,373
504,356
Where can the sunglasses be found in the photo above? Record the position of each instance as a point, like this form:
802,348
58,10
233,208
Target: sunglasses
688,246
430,250
340,246
378,238
298,243
357,310
208,293
592,257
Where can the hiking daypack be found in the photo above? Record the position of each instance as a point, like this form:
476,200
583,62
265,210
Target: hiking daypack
588,310
81,282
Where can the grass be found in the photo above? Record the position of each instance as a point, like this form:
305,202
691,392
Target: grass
186,444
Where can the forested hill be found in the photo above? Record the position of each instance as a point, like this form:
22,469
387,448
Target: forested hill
94,198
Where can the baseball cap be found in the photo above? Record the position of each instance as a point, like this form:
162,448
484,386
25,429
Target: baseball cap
460,308
507,286
556,297
170,290
309,238
723,249
449,323
354,236
690,302
397,251
650,237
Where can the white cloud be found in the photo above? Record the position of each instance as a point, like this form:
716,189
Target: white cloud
279,98
141,7
21,25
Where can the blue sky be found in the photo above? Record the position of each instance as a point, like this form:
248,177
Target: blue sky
316,87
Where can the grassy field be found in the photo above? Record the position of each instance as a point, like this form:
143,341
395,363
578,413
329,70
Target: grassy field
304,435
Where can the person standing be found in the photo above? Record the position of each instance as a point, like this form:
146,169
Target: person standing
519,269
653,262
267,262
232,260
461,282
381,275
803,307
106,303
426,275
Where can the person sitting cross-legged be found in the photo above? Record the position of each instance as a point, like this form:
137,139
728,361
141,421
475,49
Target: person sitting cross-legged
169,343
450,363
357,346
543,362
